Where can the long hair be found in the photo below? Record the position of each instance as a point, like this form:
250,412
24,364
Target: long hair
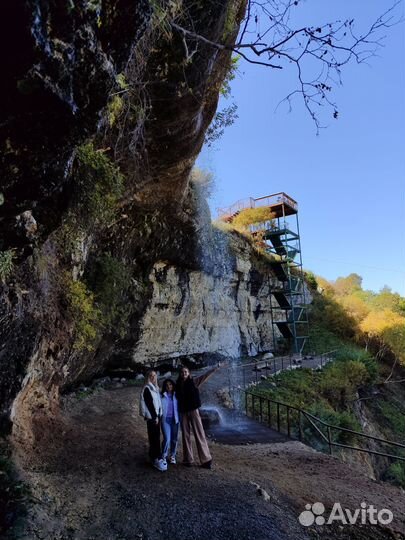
165,383
180,381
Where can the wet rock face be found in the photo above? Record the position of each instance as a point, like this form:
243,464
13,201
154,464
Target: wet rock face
225,310
62,61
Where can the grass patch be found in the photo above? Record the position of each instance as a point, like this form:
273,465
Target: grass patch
393,418
326,394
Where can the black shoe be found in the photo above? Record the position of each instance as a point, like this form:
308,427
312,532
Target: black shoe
187,464
207,464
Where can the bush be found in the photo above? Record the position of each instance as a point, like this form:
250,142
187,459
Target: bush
327,313
342,419
310,279
340,381
100,186
395,474
393,418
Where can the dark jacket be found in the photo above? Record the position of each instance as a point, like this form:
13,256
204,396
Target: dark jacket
188,396
187,393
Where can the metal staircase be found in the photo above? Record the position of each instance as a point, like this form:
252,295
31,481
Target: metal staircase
280,238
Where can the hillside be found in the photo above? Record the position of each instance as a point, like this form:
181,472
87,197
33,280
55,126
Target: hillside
363,388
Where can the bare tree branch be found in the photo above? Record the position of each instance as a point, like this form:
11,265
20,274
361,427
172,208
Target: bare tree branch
317,52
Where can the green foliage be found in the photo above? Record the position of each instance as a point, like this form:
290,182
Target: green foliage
114,109
340,381
311,391
395,474
310,279
362,314
386,299
83,312
225,90
6,264
348,285
393,418
109,279
122,81
342,419
162,15
223,119
328,314
230,24
100,186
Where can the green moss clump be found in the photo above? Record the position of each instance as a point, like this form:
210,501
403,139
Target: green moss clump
230,23
101,185
6,264
114,109
109,279
83,312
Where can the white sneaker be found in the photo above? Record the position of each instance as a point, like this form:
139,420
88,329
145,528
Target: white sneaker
172,460
160,465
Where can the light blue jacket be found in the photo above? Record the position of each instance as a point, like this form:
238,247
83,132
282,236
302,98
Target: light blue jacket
165,404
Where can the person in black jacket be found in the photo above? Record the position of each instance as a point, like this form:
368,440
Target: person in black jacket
188,398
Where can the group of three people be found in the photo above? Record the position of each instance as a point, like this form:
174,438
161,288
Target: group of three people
177,404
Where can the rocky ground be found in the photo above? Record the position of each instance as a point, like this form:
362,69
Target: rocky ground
90,480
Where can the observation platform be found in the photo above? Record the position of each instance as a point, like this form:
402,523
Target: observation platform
280,204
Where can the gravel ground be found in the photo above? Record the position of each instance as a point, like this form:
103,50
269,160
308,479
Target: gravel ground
93,482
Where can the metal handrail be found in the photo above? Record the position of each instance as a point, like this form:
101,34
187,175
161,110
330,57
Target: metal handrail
288,358
268,200
312,420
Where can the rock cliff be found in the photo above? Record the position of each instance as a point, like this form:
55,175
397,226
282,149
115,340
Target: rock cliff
105,108
194,312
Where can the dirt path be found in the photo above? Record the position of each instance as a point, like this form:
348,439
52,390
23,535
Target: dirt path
94,483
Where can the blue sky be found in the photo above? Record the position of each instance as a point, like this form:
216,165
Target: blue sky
350,180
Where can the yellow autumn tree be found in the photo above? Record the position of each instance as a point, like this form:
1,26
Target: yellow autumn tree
388,326
355,307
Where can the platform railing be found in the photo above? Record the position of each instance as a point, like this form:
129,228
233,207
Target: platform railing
289,420
268,200
252,371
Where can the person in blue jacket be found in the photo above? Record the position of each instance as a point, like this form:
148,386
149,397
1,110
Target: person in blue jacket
170,421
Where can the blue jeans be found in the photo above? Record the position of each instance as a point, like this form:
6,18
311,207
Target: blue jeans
170,432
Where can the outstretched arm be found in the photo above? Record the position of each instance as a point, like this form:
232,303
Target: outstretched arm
202,378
